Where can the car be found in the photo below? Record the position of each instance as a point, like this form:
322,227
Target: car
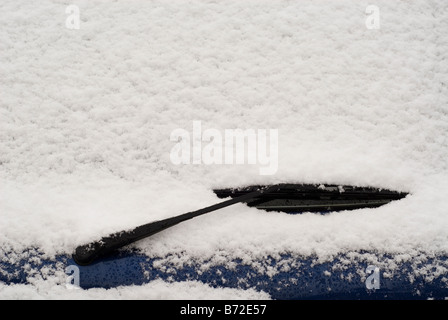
352,275
283,150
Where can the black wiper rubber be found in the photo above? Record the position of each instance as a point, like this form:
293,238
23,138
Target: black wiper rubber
311,198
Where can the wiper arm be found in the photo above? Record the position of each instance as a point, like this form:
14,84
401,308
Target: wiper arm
87,254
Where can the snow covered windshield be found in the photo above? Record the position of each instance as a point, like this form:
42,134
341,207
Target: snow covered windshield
113,115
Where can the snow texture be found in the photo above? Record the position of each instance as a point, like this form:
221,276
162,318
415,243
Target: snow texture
86,116
156,290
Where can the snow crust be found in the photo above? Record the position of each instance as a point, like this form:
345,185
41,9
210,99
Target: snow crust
86,117
155,290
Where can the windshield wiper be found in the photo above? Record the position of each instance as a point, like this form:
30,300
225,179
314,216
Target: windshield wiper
281,197
297,198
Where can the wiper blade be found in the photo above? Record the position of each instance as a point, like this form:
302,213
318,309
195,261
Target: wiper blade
297,198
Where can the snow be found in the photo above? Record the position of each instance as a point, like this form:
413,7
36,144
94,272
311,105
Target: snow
156,290
86,116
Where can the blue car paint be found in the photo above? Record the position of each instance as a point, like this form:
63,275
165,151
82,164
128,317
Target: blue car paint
309,279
